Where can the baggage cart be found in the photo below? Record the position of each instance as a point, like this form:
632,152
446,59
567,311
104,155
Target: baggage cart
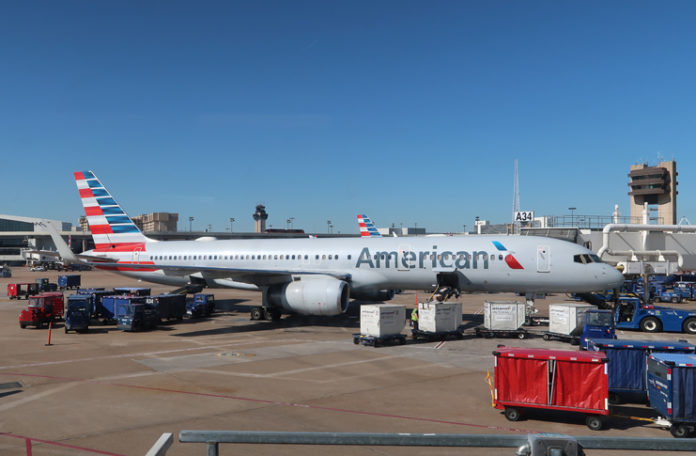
438,321
566,321
168,306
672,390
528,379
69,281
628,364
381,324
136,316
375,341
503,319
22,290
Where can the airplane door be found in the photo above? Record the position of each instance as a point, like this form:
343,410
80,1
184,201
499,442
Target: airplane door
543,258
136,254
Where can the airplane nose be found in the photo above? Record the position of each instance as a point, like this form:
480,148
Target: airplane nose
616,278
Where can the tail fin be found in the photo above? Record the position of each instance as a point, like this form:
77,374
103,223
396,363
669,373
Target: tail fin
367,228
110,225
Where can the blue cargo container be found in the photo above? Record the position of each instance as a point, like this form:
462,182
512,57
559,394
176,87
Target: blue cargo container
627,364
168,306
69,281
672,390
132,291
96,295
112,305
134,316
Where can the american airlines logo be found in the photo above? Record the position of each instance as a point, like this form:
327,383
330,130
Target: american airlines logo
423,258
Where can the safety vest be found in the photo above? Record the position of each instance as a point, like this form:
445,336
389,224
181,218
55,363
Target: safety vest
414,315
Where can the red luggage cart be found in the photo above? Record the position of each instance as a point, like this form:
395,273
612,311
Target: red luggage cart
527,378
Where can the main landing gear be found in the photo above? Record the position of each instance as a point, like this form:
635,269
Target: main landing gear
265,313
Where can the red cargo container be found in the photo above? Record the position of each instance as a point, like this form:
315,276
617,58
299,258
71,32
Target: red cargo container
552,380
21,290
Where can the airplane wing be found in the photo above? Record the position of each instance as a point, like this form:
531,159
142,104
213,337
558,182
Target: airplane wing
247,275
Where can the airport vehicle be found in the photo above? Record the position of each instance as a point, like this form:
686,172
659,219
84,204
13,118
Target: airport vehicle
202,305
136,316
628,361
631,314
109,306
168,306
22,290
69,281
685,290
41,310
528,378
367,228
671,380
37,269
317,276
95,296
77,313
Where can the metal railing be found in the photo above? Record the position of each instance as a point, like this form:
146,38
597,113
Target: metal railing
530,445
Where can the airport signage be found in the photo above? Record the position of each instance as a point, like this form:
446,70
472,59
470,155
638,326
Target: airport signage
524,216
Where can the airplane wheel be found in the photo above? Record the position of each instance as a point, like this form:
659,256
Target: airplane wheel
256,313
650,324
690,325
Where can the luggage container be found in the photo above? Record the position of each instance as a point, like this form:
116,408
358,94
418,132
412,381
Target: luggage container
627,364
438,320
503,319
528,378
566,321
109,306
672,390
96,295
69,281
132,291
22,290
202,305
77,313
381,324
168,306
136,316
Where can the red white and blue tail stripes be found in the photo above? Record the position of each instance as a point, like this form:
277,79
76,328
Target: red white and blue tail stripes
367,228
110,225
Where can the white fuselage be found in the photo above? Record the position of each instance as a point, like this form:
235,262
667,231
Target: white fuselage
481,263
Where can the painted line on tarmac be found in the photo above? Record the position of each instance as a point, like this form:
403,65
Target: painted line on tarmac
60,444
439,345
24,400
280,403
146,354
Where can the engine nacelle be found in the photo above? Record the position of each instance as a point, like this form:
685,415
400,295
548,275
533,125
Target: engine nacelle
310,296
372,295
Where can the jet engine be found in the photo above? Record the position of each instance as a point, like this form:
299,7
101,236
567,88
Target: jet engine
310,296
372,295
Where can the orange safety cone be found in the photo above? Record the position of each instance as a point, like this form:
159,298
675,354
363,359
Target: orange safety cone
50,324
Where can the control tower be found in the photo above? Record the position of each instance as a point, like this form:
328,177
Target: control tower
260,217
657,186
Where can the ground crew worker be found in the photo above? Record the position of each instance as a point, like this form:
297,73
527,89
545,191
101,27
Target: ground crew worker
414,318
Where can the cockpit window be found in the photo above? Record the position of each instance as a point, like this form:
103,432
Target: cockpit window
586,259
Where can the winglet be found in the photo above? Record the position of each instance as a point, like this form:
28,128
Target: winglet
63,250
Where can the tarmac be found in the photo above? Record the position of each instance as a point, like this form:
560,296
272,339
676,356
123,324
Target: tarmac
108,392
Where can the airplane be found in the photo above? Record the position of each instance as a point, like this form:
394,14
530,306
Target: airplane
318,276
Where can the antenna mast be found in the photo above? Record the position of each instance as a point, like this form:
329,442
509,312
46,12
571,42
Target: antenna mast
516,201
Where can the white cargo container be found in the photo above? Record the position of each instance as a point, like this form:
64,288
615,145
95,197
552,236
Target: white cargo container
567,318
504,315
382,320
439,316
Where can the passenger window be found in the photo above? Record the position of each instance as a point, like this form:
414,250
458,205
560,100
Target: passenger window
330,257
349,257
281,257
500,257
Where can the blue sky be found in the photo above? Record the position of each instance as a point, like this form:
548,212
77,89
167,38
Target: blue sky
410,111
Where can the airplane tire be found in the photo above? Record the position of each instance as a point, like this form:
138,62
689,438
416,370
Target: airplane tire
256,313
690,326
650,324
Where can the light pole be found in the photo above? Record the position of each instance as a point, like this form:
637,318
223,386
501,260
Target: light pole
190,223
572,210
289,222
232,220
328,226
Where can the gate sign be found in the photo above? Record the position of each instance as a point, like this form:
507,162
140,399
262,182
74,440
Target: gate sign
524,216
